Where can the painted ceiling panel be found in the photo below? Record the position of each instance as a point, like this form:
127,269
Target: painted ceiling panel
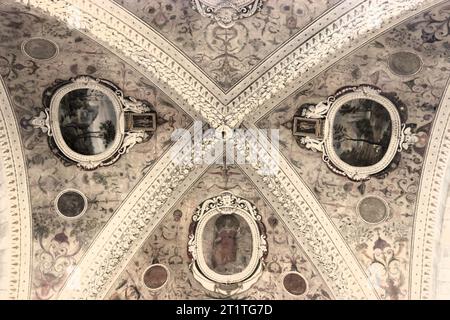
165,246
227,55
418,46
59,243
323,232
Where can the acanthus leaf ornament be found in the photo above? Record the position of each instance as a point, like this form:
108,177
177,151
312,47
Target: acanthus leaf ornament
407,138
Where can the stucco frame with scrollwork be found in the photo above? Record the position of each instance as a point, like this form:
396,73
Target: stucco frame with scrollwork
226,204
125,139
328,110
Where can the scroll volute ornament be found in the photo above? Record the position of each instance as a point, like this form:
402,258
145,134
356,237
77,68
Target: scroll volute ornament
227,12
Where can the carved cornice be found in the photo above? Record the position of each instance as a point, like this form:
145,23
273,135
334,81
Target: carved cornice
429,210
18,211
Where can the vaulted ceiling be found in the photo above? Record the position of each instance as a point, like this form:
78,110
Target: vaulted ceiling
252,74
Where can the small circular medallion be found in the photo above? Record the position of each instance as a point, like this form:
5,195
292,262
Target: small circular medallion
295,284
71,203
373,209
40,49
155,277
405,63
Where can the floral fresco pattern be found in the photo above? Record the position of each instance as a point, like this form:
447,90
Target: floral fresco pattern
228,54
168,245
60,243
382,249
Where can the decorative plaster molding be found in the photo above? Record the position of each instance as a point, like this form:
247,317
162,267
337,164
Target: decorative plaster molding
98,18
349,32
310,224
226,13
138,215
17,204
111,24
429,210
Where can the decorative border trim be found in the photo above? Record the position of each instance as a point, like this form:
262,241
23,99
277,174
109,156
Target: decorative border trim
19,210
432,194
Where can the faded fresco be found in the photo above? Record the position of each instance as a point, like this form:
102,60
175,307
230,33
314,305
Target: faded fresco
227,244
411,64
168,243
60,243
362,132
227,55
88,121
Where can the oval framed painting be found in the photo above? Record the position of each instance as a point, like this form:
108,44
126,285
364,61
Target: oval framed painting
227,244
362,132
359,130
91,123
87,120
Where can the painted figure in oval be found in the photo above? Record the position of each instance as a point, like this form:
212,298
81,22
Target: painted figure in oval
227,228
228,244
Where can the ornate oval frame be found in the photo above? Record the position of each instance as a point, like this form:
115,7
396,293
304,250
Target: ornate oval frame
369,94
226,204
107,90
322,116
126,108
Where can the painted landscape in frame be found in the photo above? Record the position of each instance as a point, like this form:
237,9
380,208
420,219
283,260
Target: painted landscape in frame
362,131
88,121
